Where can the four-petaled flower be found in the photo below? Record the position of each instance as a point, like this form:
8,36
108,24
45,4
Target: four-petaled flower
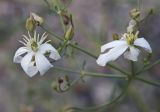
33,56
128,45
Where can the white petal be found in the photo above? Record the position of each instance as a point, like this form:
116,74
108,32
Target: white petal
141,42
112,44
27,66
17,57
37,18
112,55
47,47
32,70
55,55
42,63
132,54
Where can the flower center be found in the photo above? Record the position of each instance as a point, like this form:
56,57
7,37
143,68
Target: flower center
130,37
34,46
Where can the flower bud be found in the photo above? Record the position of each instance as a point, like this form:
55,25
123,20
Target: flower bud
62,84
33,21
115,36
69,33
30,26
134,13
37,19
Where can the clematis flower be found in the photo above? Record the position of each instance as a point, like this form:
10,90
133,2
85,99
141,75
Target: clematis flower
128,45
33,56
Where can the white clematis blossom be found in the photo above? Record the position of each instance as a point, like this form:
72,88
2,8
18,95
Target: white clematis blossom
127,45
32,56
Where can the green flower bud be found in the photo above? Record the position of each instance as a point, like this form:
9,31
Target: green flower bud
134,14
30,26
69,33
33,21
37,19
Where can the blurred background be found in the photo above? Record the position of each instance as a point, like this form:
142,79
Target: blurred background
95,21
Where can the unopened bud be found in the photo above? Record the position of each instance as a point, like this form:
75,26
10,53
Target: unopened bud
134,13
69,33
62,84
30,26
115,36
38,20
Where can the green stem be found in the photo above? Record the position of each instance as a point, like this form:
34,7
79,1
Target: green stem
141,104
148,67
65,43
157,84
118,69
82,50
84,73
108,76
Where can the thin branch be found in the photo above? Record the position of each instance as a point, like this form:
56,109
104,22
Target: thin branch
84,73
153,83
148,67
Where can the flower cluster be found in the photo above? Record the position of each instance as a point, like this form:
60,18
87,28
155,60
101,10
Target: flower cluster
33,56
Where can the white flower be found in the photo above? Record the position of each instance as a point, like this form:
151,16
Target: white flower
128,45
32,56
